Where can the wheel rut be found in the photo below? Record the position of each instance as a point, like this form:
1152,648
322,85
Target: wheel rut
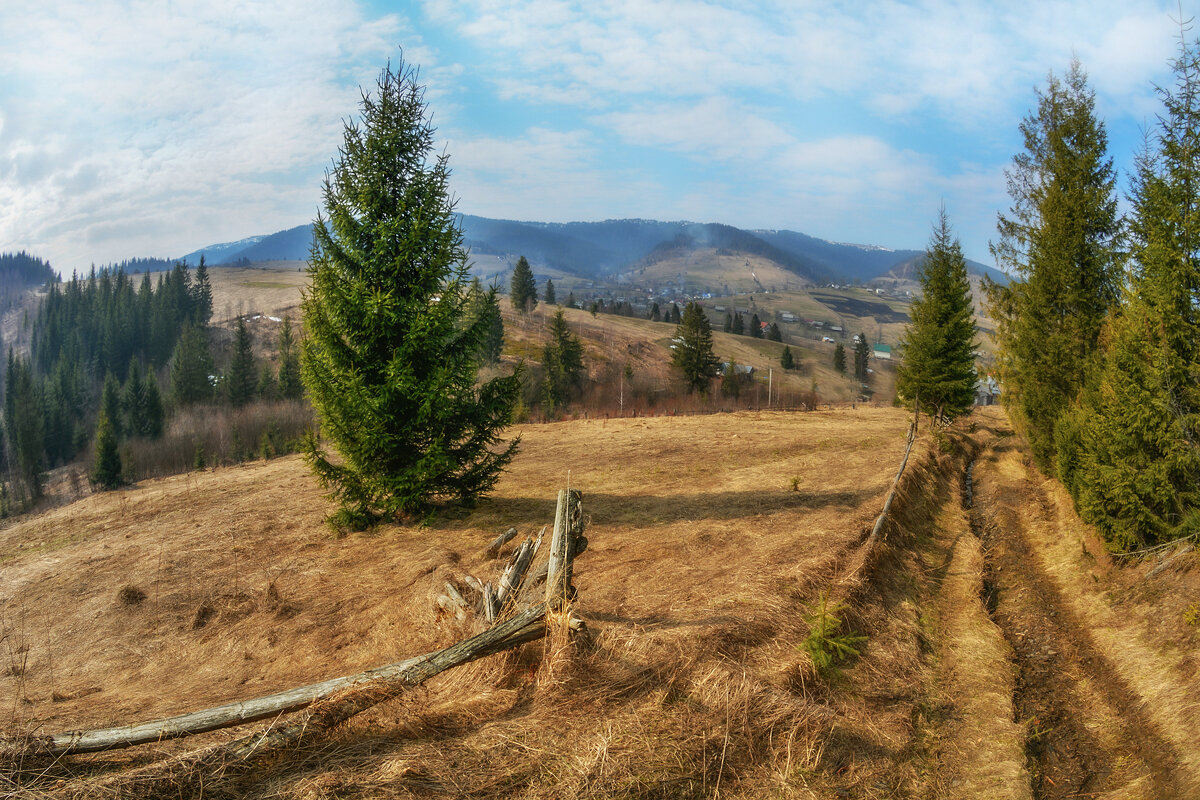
1087,733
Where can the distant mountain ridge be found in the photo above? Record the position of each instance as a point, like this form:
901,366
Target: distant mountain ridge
605,250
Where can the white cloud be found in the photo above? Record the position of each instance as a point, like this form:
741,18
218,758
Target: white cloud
715,127
145,127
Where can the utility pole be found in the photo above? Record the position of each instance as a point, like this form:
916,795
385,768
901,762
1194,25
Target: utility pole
770,384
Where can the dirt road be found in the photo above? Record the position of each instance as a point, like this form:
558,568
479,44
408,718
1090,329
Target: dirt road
1101,694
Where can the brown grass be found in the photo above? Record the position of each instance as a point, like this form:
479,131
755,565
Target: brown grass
689,683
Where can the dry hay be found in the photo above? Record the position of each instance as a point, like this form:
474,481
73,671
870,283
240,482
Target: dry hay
703,560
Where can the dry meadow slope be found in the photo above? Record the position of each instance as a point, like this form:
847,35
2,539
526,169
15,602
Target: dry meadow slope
1008,655
702,560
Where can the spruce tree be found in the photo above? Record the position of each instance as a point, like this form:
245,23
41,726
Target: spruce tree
106,470
523,289
862,354
389,365
738,328
938,370
24,423
485,305
731,380
787,360
267,387
728,326
191,368
1129,451
153,427
693,353
288,381
134,401
202,299
242,376
549,296
774,334
571,303
110,404
839,358
1059,240
562,363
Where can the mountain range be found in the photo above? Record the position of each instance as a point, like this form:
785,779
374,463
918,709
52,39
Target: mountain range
605,250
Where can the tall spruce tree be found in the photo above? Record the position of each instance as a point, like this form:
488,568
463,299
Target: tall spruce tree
202,299
562,362
134,401
106,469
110,404
1129,449
786,359
192,368
288,382
484,304
549,296
938,370
522,290
755,327
693,353
24,423
839,358
1059,239
387,361
862,354
242,376
154,418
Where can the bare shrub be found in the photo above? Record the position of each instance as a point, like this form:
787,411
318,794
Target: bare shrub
217,435
130,595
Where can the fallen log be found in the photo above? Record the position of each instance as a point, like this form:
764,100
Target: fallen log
522,628
209,771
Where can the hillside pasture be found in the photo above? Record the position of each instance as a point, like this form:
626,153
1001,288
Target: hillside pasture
710,537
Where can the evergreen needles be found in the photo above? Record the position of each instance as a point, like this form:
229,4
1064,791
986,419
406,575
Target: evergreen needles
939,346
693,353
391,355
825,643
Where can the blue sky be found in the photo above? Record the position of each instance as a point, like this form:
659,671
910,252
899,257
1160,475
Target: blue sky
155,128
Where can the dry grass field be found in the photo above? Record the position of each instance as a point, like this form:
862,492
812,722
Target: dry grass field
207,587
1007,655
710,270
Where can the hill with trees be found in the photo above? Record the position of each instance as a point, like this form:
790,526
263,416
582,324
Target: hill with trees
606,250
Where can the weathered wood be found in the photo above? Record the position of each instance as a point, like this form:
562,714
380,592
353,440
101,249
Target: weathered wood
510,584
521,628
329,702
493,549
453,602
568,527
489,603
1169,560
453,593
473,582
877,528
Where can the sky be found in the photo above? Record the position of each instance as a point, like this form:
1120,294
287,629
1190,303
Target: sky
157,127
